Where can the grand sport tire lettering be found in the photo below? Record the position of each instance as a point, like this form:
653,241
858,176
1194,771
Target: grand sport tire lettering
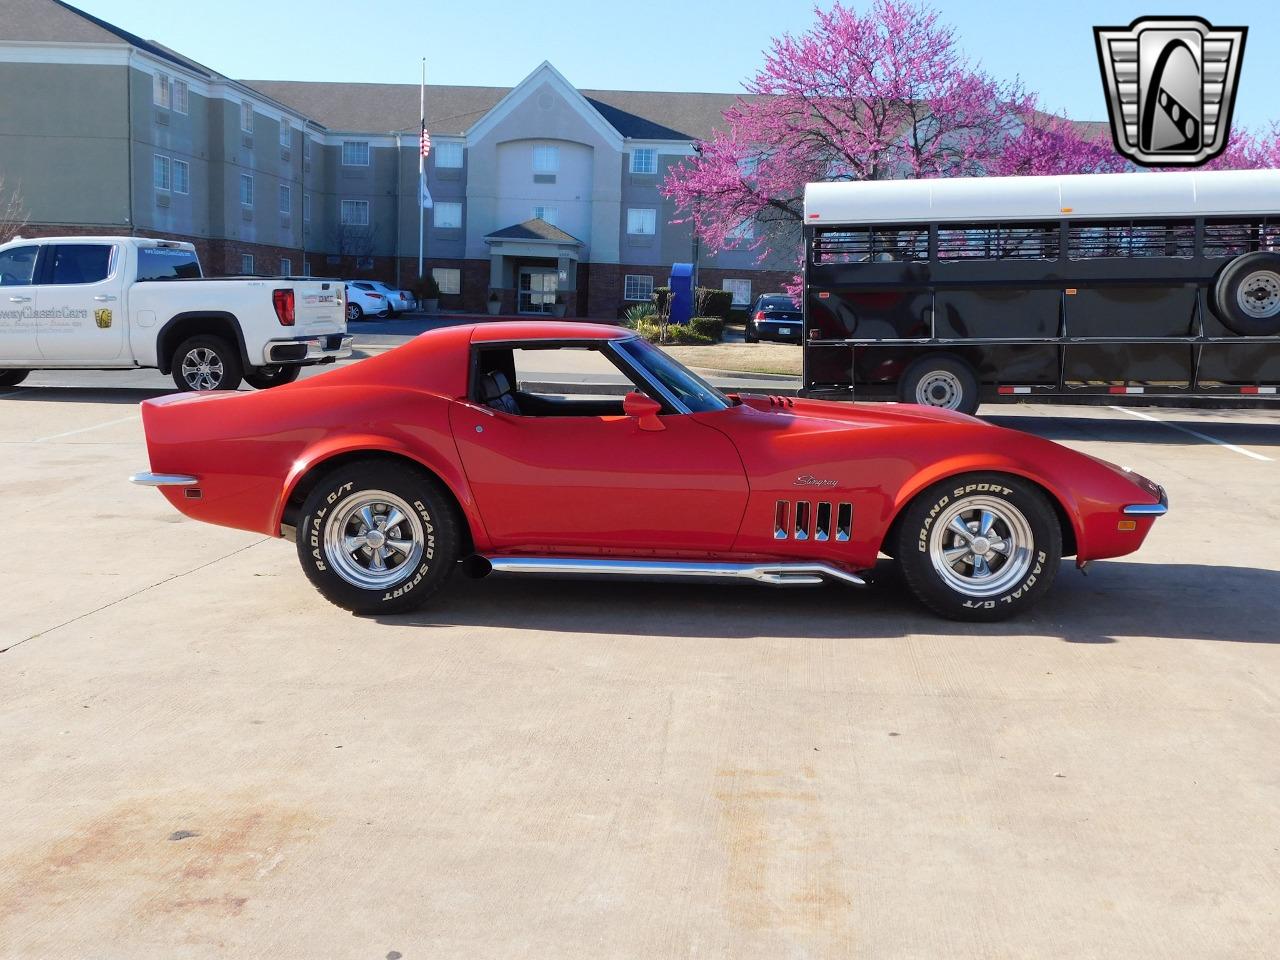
982,488
401,590
928,522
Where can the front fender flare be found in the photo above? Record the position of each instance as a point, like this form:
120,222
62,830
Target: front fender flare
959,465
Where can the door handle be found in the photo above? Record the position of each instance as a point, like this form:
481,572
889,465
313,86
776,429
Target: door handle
19,299
103,298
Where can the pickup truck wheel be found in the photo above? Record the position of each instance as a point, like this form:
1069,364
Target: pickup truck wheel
204,363
979,547
11,378
264,378
378,538
354,312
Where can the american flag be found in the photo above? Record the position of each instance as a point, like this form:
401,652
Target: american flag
426,140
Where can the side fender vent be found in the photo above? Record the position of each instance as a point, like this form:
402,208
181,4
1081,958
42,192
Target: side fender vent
803,520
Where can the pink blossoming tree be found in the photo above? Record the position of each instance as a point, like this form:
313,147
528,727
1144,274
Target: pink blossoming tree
883,95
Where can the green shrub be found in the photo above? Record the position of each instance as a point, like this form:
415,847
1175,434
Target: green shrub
712,328
709,302
640,313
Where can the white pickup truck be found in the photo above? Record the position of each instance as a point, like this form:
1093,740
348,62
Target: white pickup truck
113,303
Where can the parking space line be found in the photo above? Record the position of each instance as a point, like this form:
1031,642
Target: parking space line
96,426
1194,433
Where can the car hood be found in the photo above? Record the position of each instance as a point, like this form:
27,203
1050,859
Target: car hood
839,415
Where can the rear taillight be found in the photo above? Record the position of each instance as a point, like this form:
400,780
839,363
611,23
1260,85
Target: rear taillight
759,315
282,300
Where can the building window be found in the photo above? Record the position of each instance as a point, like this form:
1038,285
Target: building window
306,147
447,215
447,279
642,220
286,267
549,214
181,177
246,263
306,268
286,198
160,172
741,290
637,287
546,158
246,190
644,160
746,230
246,116
448,155
355,153
179,96
306,208
364,263
286,133
160,92
355,213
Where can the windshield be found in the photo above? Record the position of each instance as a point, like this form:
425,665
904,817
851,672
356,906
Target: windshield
689,388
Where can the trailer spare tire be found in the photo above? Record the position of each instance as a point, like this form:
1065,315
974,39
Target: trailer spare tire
1247,295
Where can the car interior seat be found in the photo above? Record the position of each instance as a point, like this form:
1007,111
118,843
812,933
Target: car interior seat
496,392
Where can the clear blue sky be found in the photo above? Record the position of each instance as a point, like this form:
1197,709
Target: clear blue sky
708,45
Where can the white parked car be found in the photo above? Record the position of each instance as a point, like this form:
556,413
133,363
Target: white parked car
365,299
120,303
376,298
401,300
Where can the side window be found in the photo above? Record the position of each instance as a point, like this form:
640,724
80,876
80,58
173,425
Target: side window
524,382
81,262
18,266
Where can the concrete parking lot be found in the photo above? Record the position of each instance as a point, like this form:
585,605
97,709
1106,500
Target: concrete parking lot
202,758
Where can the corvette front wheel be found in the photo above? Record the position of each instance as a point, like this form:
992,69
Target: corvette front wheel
377,538
979,547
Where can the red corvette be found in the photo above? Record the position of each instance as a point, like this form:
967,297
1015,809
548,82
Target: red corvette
392,473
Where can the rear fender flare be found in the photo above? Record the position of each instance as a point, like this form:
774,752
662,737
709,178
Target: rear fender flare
450,475
957,466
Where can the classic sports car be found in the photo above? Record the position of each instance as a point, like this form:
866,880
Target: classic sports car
393,473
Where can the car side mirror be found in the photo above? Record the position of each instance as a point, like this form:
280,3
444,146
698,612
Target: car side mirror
644,409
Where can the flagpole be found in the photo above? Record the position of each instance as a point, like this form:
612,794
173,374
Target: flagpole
422,111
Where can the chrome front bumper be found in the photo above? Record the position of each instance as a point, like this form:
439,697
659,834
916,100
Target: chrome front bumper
334,346
163,480
1149,509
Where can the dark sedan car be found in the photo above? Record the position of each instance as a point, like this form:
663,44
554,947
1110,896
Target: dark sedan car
775,316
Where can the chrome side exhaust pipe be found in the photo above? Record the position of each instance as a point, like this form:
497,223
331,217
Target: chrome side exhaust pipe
782,574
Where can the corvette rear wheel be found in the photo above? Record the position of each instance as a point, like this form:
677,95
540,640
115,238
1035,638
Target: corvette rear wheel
378,538
979,547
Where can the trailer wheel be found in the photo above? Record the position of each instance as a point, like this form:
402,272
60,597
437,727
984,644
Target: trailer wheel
942,380
1247,295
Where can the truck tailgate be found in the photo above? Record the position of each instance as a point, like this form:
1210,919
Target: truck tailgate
319,306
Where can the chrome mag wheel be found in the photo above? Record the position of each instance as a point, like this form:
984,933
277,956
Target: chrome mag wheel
940,388
981,546
373,539
202,369
1259,294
